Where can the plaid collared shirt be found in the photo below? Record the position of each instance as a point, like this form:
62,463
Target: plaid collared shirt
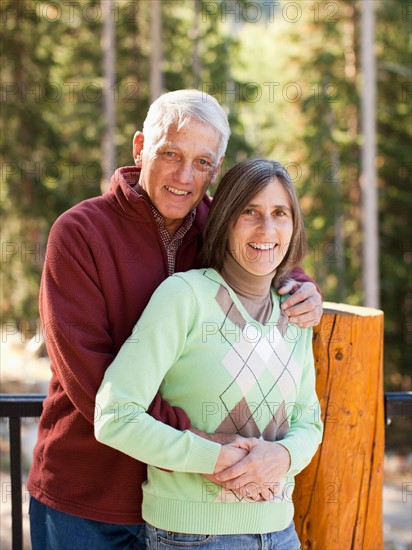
172,244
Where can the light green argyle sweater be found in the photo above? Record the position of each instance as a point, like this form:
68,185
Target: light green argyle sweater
196,343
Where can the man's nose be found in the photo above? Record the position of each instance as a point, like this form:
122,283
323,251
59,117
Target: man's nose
184,172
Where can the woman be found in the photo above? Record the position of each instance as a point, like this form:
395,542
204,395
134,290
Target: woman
215,343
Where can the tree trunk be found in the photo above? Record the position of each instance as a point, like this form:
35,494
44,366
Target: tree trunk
156,76
338,497
369,191
109,81
196,60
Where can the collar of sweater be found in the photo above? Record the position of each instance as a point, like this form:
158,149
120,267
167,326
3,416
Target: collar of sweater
253,287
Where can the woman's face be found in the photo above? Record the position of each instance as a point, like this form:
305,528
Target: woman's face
260,237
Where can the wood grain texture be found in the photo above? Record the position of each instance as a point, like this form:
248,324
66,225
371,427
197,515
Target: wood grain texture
338,497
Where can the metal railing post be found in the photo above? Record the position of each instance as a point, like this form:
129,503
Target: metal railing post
15,476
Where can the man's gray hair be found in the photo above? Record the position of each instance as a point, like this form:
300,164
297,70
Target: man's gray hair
177,108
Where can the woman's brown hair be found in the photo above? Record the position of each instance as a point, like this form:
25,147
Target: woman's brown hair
235,191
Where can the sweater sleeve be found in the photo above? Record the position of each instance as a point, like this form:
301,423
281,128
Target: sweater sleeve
300,276
306,428
77,331
78,339
135,376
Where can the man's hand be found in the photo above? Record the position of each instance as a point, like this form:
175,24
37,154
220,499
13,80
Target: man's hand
304,306
260,473
223,439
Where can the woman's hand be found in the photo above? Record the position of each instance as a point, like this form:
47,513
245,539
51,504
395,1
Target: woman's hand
221,438
228,456
260,473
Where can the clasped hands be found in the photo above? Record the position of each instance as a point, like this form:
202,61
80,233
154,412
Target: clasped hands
250,467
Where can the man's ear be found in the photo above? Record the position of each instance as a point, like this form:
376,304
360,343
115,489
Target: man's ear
138,140
217,169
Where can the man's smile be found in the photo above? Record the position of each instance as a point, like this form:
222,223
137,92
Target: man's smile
175,191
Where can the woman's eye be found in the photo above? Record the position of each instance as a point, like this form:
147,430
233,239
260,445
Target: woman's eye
249,212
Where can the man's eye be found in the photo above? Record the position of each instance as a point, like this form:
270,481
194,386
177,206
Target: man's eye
205,164
169,154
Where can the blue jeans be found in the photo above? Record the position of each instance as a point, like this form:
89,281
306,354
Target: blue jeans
158,539
54,530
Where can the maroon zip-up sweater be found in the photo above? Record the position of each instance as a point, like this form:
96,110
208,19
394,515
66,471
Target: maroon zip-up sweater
104,260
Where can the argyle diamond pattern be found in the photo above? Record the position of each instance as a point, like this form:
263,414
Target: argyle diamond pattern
258,364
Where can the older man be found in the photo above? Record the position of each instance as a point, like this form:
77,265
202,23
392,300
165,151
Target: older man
105,258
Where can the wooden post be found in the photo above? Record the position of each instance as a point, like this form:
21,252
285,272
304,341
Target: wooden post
338,497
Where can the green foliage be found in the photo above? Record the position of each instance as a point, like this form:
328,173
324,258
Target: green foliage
53,117
290,81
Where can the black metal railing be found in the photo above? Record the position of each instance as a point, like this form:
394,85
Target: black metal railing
15,407
397,404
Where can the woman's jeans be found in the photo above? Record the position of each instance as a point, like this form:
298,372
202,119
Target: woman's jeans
158,539
54,530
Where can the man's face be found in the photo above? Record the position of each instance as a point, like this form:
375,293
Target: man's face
178,169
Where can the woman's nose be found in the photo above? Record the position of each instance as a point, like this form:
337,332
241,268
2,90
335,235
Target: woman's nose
267,224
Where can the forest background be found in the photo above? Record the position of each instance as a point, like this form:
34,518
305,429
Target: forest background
288,74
